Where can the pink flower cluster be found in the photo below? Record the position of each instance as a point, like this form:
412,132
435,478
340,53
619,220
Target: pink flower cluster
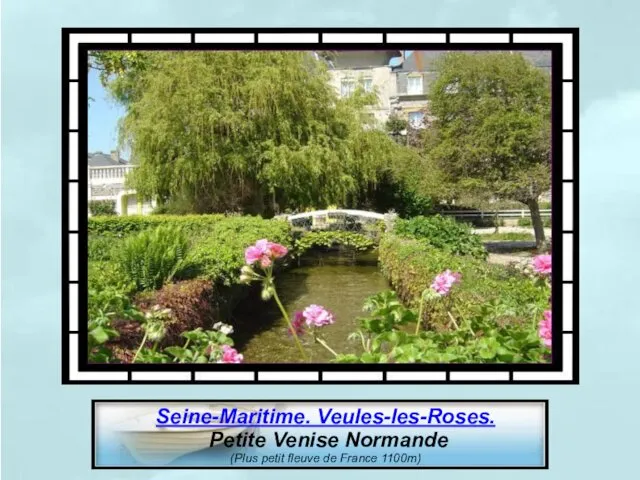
312,316
542,264
230,355
544,328
264,252
442,283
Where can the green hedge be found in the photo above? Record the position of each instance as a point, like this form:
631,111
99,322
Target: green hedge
109,226
411,266
217,243
355,241
102,207
220,254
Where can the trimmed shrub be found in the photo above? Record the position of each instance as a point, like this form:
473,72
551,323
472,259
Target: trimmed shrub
355,241
443,233
219,256
153,257
102,207
129,225
411,266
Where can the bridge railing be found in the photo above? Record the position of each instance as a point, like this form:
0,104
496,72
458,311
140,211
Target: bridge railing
342,219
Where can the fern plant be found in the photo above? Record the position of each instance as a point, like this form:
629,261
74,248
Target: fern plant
153,257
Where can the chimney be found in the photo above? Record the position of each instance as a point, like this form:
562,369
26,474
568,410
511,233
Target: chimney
115,156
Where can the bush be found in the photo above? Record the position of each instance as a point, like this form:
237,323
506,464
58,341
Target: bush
193,304
443,233
153,257
108,275
219,256
354,241
103,248
411,266
526,222
124,226
102,207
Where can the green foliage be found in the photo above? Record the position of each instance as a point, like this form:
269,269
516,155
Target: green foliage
103,248
102,207
411,266
201,346
104,275
479,338
125,226
247,131
219,256
493,123
507,237
492,133
526,222
152,257
395,124
108,299
442,232
355,241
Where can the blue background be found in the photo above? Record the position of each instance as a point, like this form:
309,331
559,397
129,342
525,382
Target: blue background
46,427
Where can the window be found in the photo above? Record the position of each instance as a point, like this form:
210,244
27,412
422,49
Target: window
367,84
415,119
414,85
347,87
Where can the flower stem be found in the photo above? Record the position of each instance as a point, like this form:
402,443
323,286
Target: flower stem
420,310
293,330
144,340
324,344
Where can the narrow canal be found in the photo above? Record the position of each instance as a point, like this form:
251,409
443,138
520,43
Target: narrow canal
336,281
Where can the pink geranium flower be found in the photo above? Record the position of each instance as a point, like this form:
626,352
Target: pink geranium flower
297,325
542,264
443,282
544,328
317,316
264,252
230,355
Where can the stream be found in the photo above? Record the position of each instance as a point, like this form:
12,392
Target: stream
338,282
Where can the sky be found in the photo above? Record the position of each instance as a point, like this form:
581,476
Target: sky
104,114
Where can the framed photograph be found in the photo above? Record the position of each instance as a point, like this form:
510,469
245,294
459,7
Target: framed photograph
320,205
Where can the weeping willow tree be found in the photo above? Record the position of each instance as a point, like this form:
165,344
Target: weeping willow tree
255,132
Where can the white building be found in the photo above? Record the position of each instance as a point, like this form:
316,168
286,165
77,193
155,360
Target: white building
106,174
369,69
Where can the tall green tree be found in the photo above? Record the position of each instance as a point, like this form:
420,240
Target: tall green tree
255,132
492,127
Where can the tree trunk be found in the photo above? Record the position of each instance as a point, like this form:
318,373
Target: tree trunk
536,220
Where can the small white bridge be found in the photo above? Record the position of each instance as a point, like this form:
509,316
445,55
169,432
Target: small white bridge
326,218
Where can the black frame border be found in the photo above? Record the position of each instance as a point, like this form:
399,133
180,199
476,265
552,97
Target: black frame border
558,182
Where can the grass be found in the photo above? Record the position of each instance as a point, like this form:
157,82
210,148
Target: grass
508,237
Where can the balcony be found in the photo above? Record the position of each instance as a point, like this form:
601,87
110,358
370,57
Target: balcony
112,174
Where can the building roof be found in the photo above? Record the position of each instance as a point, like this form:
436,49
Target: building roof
99,159
423,60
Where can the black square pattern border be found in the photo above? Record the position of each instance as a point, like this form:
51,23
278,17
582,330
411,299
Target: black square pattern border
563,43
